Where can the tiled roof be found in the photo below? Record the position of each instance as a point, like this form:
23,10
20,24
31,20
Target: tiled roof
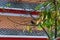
28,1
24,4
7,27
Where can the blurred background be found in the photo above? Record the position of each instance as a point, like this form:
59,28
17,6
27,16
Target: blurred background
12,25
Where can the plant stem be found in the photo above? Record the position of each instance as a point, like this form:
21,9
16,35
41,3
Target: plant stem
56,9
45,32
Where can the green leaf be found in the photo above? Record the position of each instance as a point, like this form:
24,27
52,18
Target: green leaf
49,15
39,27
39,6
51,35
50,0
58,5
30,30
58,1
28,27
44,14
8,5
58,27
52,8
48,23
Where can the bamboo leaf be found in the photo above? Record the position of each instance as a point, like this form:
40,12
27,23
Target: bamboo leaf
40,6
8,5
29,28
39,27
48,24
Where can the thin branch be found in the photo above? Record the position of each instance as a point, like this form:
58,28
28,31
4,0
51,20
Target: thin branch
46,32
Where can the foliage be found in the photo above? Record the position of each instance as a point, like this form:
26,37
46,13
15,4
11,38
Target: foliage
49,13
